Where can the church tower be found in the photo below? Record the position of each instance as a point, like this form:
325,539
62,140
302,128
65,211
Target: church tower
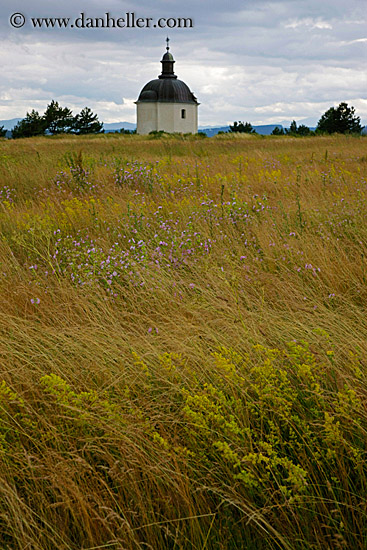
167,103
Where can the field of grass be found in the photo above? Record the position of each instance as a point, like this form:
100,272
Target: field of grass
183,338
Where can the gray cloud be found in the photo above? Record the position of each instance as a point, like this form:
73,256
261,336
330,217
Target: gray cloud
250,60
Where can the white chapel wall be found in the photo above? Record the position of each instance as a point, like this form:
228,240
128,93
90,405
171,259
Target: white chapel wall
166,117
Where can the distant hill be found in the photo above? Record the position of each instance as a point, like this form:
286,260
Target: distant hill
9,124
116,126
266,129
212,130
263,130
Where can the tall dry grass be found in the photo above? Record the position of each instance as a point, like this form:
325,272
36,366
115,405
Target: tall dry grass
183,343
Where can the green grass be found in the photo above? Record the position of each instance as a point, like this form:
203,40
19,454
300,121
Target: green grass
183,343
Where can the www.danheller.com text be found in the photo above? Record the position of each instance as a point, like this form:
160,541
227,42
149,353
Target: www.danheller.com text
128,20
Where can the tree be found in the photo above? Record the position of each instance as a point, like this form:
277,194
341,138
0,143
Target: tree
245,128
341,119
87,123
32,125
301,130
2,131
292,128
58,119
304,130
278,131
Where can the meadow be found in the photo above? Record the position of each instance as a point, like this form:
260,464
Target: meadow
183,337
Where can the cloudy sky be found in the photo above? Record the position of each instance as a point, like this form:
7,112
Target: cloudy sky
251,60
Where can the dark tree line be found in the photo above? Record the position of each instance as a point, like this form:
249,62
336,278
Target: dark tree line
57,120
243,128
341,119
336,120
293,130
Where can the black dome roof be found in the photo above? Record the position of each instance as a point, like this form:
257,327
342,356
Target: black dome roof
167,90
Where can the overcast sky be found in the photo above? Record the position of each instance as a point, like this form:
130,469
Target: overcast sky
256,61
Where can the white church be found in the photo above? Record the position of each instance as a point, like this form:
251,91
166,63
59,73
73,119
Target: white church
166,103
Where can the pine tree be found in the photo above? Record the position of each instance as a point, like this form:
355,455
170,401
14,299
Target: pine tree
341,119
292,128
244,128
278,131
32,125
87,123
58,119
304,130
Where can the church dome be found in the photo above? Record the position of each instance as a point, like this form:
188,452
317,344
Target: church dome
170,89
167,87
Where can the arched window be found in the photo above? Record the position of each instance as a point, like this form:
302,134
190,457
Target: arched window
183,113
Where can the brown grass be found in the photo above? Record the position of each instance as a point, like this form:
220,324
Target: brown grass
213,400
